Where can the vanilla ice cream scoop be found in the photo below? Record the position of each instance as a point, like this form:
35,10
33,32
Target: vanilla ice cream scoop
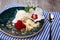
20,15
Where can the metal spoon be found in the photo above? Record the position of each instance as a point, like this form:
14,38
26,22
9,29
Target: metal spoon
50,18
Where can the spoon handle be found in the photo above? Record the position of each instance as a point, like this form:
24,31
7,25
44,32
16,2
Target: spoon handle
50,31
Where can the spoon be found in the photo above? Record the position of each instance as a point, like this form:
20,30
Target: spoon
50,18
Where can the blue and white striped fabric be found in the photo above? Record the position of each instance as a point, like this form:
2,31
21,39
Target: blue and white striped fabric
44,35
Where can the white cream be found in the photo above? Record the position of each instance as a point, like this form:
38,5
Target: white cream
20,14
39,12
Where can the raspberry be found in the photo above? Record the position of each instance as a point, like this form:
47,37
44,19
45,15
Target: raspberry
20,25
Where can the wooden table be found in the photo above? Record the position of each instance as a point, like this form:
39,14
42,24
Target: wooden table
50,5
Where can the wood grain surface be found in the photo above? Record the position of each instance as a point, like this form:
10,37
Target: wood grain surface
50,5
56,5
45,4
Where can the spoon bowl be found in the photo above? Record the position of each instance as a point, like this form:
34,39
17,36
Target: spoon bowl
50,17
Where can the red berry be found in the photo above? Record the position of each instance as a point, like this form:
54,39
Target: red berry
34,16
20,25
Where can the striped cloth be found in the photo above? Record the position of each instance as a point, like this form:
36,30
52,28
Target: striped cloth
44,35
